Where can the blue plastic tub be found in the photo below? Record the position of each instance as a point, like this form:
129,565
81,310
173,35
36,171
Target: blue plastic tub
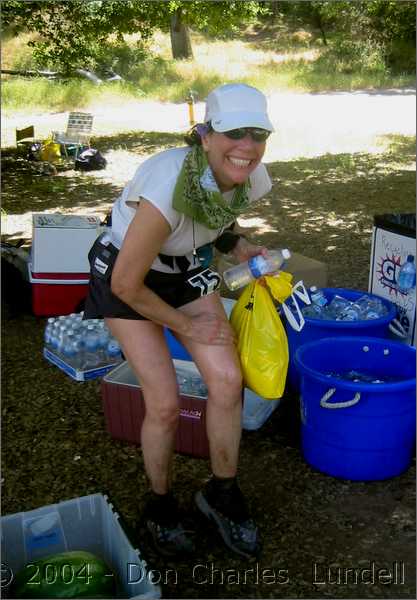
358,431
315,329
176,348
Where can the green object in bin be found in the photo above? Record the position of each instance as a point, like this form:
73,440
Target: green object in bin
74,574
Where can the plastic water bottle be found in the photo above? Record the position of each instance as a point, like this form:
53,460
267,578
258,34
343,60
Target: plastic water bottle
370,308
103,337
91,357
317,297
80,345
242,274
318,303
70,349
48,333
337,306
407,276
191,384
351,313
54,336
60,338
114,352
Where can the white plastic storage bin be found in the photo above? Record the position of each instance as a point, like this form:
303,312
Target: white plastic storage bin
256,410
87,523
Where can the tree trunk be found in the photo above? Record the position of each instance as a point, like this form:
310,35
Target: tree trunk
180,37
275,9
319,23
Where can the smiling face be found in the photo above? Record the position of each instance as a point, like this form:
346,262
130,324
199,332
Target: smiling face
232,161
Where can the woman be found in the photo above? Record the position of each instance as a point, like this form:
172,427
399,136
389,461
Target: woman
152,270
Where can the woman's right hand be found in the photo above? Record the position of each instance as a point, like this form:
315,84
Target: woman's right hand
209,328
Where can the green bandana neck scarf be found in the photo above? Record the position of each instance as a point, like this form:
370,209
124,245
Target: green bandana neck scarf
197,195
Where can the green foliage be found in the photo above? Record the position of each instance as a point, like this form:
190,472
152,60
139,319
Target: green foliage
349,56
218,18
90,34
73,33
23,94
384,28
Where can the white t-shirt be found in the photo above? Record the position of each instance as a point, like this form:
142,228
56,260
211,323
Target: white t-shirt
155,181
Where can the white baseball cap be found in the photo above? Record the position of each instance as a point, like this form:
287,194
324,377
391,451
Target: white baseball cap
235,105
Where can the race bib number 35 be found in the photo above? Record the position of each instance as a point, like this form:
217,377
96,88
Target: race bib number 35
208,281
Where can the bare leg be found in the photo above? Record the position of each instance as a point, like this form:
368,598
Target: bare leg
144,346
220,368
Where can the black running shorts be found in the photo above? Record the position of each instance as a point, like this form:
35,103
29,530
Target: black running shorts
175,289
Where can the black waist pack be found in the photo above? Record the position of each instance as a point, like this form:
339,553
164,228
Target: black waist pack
90,160
102,259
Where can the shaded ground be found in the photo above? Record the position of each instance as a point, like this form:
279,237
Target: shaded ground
55,445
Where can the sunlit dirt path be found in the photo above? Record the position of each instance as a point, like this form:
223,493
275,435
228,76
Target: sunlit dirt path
306,124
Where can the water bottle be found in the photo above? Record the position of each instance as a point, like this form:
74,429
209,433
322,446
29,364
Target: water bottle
191,384
318,303
370,308
103,336
114,352
407,276
91,357
54,336
70,349
80,346
317,297
351,313
60,338
242,274
337,306
48,333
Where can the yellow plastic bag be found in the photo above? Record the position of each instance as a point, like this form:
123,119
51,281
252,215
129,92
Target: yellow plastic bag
50,151
262,341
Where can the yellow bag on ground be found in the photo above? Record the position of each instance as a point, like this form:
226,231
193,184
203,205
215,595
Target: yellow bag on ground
50,151
262,341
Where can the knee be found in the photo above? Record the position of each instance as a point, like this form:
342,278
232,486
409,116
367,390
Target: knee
163,415
225,384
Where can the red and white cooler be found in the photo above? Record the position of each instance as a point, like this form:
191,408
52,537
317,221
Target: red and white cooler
59,271
55,294
60,243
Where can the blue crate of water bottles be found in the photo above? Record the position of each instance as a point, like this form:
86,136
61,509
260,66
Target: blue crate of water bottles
83,349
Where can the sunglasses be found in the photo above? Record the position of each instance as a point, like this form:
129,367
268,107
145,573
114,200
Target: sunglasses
257,135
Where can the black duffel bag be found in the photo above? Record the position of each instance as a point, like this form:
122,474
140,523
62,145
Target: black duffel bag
90,160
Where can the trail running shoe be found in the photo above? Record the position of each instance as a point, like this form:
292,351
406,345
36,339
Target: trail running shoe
169,533
242,537
171,539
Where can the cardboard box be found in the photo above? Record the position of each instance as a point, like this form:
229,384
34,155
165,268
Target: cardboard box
308,270
60,243
55,294
87,523
77,374
393,239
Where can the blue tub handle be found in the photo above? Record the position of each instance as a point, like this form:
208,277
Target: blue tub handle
329,394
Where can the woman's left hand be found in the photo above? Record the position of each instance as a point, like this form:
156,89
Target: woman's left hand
244,250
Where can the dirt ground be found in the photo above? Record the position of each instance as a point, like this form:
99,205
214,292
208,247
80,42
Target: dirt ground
314,527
